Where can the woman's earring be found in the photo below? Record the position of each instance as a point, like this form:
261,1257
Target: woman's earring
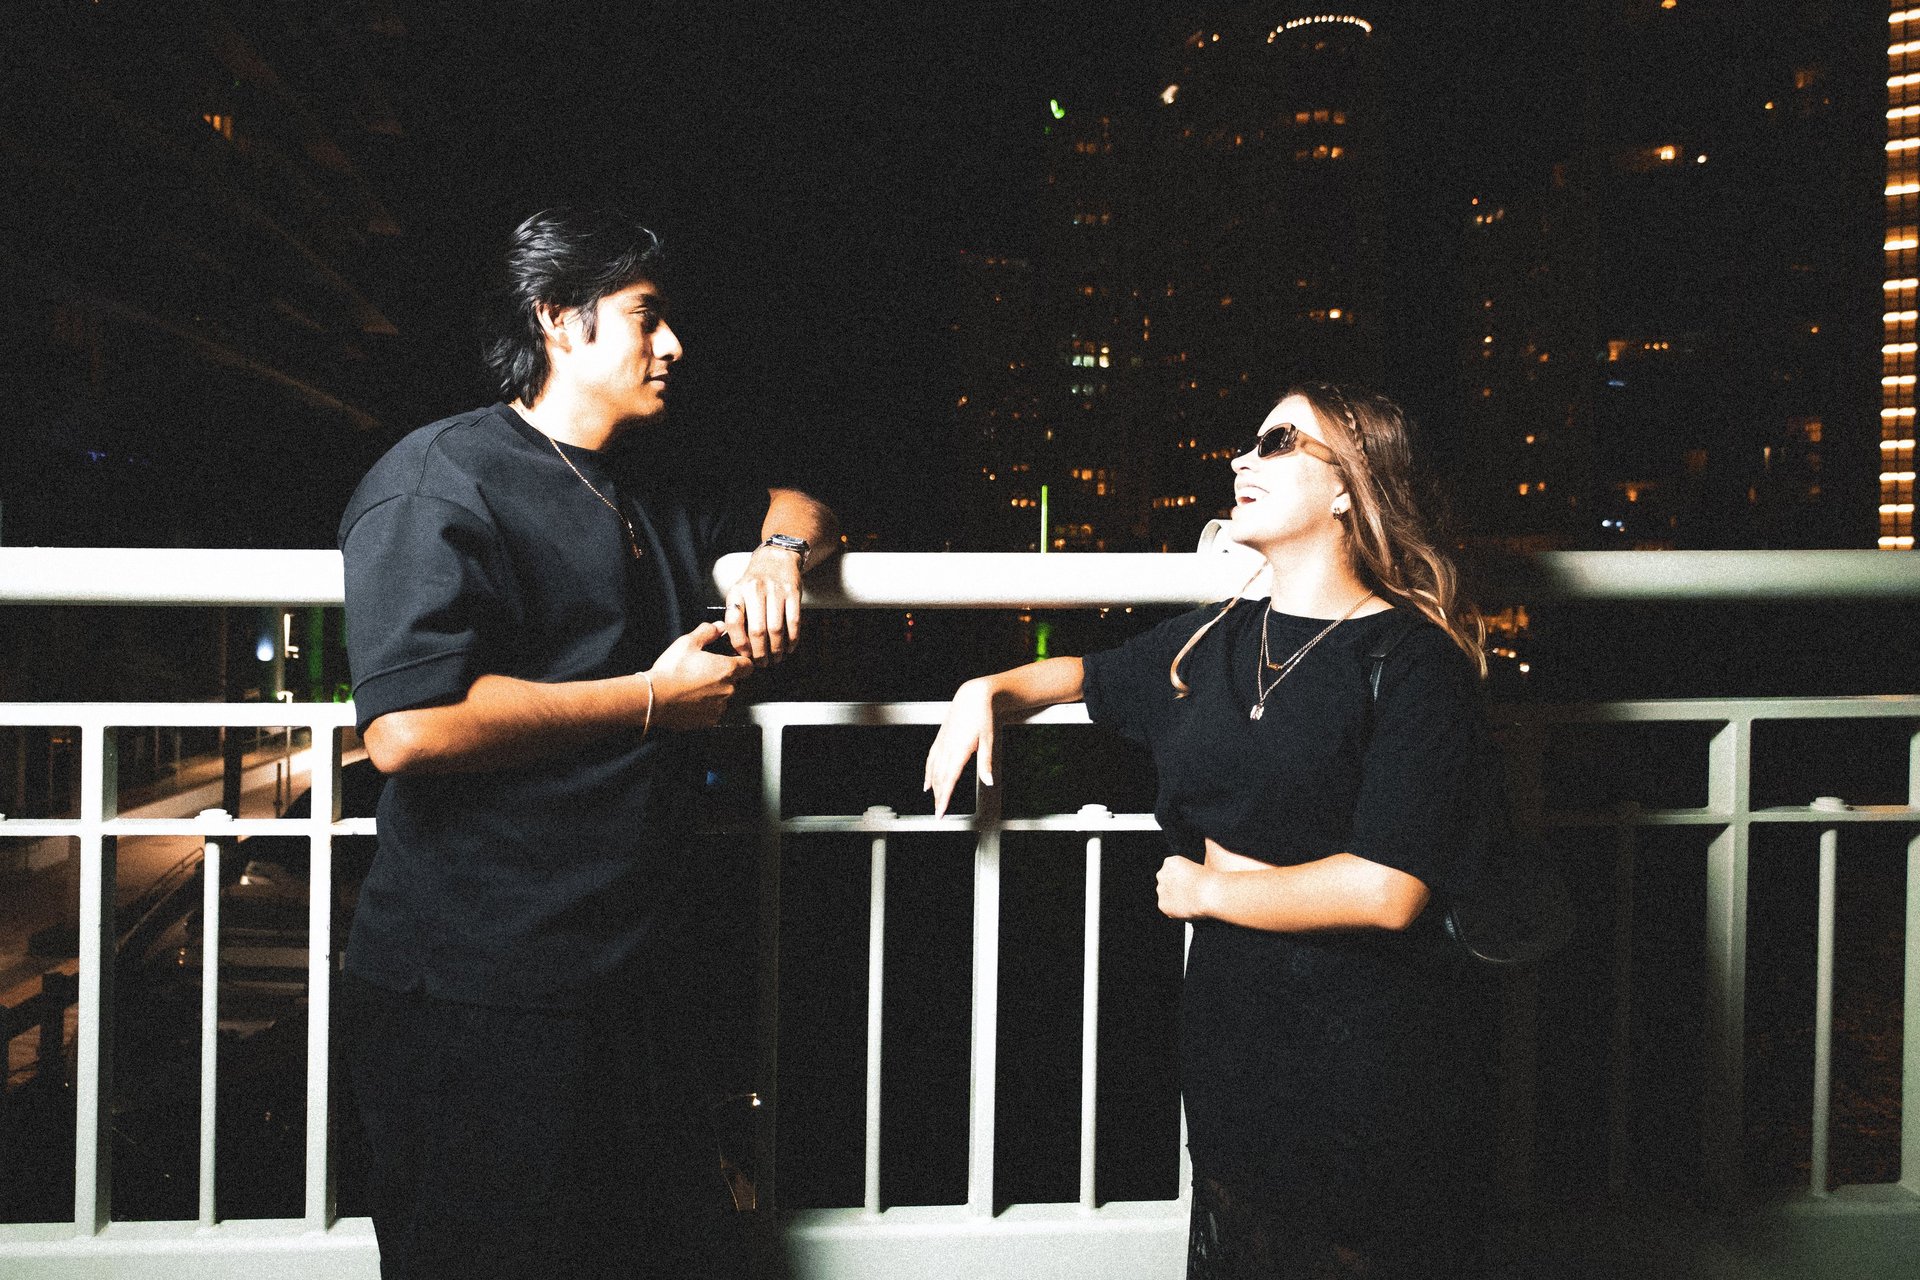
1339,508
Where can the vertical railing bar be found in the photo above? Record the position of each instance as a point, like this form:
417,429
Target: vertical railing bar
876,969
1620,1033
1519,1050
92,1165
209,1020
323,782
982,1085
1185,1194
1090,1024
1819,1182
765,1133
1725,1082
1910,1036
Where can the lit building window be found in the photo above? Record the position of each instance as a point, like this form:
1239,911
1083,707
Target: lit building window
1318,19
220,123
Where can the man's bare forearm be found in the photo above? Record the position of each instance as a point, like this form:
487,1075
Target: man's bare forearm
798,515
503,722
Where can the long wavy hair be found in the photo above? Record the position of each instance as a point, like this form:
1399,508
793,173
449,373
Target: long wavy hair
1390,537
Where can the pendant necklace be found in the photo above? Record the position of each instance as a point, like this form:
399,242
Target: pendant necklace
633,540
1285,668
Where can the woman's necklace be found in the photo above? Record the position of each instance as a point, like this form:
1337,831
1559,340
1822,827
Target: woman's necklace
633,540
1286,667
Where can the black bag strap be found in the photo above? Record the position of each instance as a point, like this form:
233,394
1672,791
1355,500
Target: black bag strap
1383,644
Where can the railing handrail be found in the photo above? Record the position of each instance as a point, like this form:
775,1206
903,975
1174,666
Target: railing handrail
990,579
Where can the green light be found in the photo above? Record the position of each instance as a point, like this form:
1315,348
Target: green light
1042,632
1043,519
315,654
1059,112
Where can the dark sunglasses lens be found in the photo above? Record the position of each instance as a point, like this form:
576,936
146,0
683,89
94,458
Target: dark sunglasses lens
1273,443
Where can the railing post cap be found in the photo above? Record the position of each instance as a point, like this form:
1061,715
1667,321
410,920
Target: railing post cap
878,813
1096,812
215,815
1829,804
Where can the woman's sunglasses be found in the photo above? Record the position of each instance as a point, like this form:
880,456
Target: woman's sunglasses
1285,438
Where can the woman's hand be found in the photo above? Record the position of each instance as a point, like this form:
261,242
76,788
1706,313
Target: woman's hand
1182,882
967,729
690,686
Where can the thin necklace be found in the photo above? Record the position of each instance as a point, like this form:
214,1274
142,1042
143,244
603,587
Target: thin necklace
633,541
1285,668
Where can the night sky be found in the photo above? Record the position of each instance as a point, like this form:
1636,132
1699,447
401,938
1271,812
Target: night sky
814,170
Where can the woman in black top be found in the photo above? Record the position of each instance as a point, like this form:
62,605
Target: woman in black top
1332,1051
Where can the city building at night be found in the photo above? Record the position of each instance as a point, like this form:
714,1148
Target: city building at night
1204,238
1902,286
198,240
1666,337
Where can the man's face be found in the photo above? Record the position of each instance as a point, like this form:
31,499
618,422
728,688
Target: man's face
622,371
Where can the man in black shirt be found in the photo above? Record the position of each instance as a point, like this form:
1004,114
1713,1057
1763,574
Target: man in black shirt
523,623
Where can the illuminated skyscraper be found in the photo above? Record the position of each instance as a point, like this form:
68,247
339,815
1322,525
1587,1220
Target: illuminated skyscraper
1902,286
1265,198
1673,337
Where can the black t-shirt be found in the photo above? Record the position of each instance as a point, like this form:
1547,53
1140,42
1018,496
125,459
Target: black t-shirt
472,548
1324,770
1340,1068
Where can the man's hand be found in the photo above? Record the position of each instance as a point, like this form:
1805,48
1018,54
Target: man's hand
967,728
690,686
763,607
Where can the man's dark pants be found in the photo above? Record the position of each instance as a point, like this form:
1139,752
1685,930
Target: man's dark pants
550,1143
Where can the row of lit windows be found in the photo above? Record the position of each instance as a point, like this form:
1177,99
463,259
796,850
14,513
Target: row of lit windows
1183,500
1205,39
1320,153
1323,115
1898,286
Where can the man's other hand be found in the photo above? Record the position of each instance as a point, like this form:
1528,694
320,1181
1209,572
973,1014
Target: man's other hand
690,686
763,607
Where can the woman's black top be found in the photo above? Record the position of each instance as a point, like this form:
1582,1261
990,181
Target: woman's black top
1340,1070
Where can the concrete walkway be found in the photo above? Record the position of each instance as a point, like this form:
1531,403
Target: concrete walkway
39,886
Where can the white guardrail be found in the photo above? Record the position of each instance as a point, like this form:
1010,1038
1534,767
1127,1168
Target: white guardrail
1086,1236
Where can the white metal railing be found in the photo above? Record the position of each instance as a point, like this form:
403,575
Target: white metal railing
1080,1237
92,1236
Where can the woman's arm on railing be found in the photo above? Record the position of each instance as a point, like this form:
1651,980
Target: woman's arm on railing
977,704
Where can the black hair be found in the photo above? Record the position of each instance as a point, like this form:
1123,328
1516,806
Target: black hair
566,257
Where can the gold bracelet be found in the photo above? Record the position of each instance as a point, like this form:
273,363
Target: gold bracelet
647,723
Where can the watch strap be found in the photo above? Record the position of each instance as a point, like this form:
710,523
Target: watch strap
787,542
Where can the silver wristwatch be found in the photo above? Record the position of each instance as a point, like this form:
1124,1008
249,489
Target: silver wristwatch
787,542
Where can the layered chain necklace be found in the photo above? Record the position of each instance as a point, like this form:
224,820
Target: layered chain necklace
1285,667
633,539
